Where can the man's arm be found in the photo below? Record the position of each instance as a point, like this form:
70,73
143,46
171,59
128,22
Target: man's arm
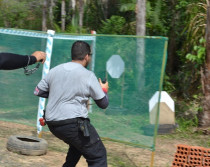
98,91
41,93
10,61
42,89
103,103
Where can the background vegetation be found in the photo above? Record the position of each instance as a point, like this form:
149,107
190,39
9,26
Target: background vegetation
182,21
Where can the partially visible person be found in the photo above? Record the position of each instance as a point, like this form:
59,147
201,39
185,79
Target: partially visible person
11,61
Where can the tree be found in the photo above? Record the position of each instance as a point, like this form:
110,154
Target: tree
141,17
72,4
196,27
81,13
172,47
93,15
114,25
204,120
44,16
51,15
200,22
140,31
63,15
105,8
14,14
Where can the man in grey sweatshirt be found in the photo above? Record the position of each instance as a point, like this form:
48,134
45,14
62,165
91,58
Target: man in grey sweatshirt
68,87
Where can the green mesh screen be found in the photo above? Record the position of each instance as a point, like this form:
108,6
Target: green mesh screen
127,117
17,102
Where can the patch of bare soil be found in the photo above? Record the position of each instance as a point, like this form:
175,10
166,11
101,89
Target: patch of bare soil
119,155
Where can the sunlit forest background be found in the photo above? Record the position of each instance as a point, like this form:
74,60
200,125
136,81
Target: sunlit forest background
184,22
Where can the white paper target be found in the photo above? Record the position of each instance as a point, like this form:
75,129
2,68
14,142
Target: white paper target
115,66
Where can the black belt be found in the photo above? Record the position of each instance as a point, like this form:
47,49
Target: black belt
66,121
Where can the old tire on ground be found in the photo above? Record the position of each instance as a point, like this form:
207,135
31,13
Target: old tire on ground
27,145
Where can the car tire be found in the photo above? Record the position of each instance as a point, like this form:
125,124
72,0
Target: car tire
27,145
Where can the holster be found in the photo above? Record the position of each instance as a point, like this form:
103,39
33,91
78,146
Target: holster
42,120
44,111
83,126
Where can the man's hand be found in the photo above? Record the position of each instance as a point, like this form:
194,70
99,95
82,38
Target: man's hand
104,85
40,56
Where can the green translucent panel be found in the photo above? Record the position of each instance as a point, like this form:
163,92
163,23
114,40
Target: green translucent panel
17,102
127,117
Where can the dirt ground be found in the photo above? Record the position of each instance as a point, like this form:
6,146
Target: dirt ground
119,155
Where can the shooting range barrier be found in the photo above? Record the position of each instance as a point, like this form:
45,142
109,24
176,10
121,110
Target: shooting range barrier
134,67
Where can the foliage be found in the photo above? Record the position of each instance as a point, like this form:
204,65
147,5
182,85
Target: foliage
114,25
191,47
13,13
188,39
73,26
128,6
187,81
57,28
193,29
168,86
20,14
197,22
93,16
187,112
190,133
200,51
175,19
183,21
184,124
155,19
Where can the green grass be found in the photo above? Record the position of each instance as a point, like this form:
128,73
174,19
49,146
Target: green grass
119,160
199,139
127,128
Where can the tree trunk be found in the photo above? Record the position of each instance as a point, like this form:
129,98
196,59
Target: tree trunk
140,51
81,13
44,16
172,48
51,16
74,8
204,117
63,15
140,17
105,4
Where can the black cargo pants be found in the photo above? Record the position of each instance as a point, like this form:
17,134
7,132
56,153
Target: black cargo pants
90,147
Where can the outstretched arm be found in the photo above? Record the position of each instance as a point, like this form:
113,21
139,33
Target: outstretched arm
10,61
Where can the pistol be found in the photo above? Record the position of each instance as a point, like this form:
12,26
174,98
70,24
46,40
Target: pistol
104,80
